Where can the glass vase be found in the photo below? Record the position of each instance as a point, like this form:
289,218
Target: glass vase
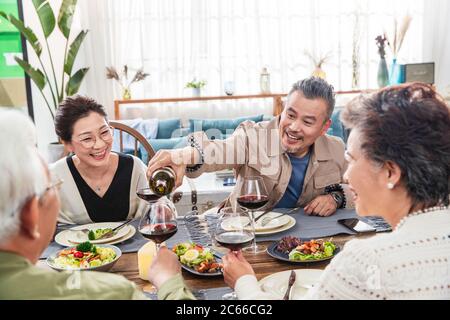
396,75
126,94
383,74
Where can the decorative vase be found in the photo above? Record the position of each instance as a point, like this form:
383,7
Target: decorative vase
196,92
318,72
126,94
383,74
396,75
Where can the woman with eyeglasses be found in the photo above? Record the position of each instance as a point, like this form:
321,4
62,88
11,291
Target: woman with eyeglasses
99,185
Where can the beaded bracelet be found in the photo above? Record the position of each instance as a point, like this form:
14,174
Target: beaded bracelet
194,144
337,187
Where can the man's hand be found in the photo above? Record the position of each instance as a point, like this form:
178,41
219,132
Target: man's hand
321,206
169,158
164,267
234,267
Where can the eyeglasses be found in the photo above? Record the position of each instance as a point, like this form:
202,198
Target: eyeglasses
56,184
106,135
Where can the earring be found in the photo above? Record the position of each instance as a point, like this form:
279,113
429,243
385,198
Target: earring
390,185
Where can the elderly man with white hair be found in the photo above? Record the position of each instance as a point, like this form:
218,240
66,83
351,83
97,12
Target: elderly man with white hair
29,206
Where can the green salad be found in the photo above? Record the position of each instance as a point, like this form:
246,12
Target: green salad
84,256
98,233
197,257
313,250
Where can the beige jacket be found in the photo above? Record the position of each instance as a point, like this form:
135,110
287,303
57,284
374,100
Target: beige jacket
255,149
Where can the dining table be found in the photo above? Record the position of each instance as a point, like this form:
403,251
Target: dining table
192,228
263,265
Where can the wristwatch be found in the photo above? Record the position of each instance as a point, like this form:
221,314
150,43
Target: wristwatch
338,198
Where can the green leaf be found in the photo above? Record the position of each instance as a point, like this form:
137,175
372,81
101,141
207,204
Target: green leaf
65,16
25,31
73,51
46,16
35,74
75,81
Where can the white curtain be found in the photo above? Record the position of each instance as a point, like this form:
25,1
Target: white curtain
436,46
223,40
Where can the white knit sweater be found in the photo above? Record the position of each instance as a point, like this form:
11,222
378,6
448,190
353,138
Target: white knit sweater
412,262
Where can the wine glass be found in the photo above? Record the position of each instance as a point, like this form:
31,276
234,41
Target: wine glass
159,222
233,231
144,192
253,195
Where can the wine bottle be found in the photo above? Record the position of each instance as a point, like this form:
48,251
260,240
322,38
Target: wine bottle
162,181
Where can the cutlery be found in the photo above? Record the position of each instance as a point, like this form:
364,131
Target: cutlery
290,284
111,233
266,220
259,217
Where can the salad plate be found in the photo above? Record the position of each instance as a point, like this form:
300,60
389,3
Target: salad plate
85,256
62,238
198,260
78,236
298,256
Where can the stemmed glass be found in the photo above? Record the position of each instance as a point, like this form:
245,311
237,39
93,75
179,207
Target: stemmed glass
253,195
232,232
159,222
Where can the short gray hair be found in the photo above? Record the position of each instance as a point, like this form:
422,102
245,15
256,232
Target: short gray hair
21,167
316,88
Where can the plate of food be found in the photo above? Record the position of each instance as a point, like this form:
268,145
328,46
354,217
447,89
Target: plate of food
64,237
85,256
198,259
94,231
294,250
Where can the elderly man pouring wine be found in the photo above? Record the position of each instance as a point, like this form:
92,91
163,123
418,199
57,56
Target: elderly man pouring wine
295,162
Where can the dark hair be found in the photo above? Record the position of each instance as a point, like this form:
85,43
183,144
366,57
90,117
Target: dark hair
410,126
70,111
316,88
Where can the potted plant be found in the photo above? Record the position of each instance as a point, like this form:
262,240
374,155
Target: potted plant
196,86
45,76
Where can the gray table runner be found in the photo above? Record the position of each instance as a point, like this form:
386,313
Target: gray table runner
200,229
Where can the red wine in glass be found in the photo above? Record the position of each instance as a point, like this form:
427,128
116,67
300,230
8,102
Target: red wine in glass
252,201
147,194
159,232
234,240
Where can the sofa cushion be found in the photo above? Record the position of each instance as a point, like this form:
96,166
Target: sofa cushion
337,129
217,128
167,127
173,143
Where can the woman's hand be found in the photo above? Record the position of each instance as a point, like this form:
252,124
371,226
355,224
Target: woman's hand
164,267
234,267
169,158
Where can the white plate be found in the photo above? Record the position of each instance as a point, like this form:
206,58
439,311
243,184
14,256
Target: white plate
232,223
61,238
79,236
285,227
273,224
277,283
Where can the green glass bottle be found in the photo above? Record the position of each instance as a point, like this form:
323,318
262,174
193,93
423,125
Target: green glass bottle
162,181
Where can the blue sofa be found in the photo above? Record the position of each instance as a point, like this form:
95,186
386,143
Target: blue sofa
172,135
